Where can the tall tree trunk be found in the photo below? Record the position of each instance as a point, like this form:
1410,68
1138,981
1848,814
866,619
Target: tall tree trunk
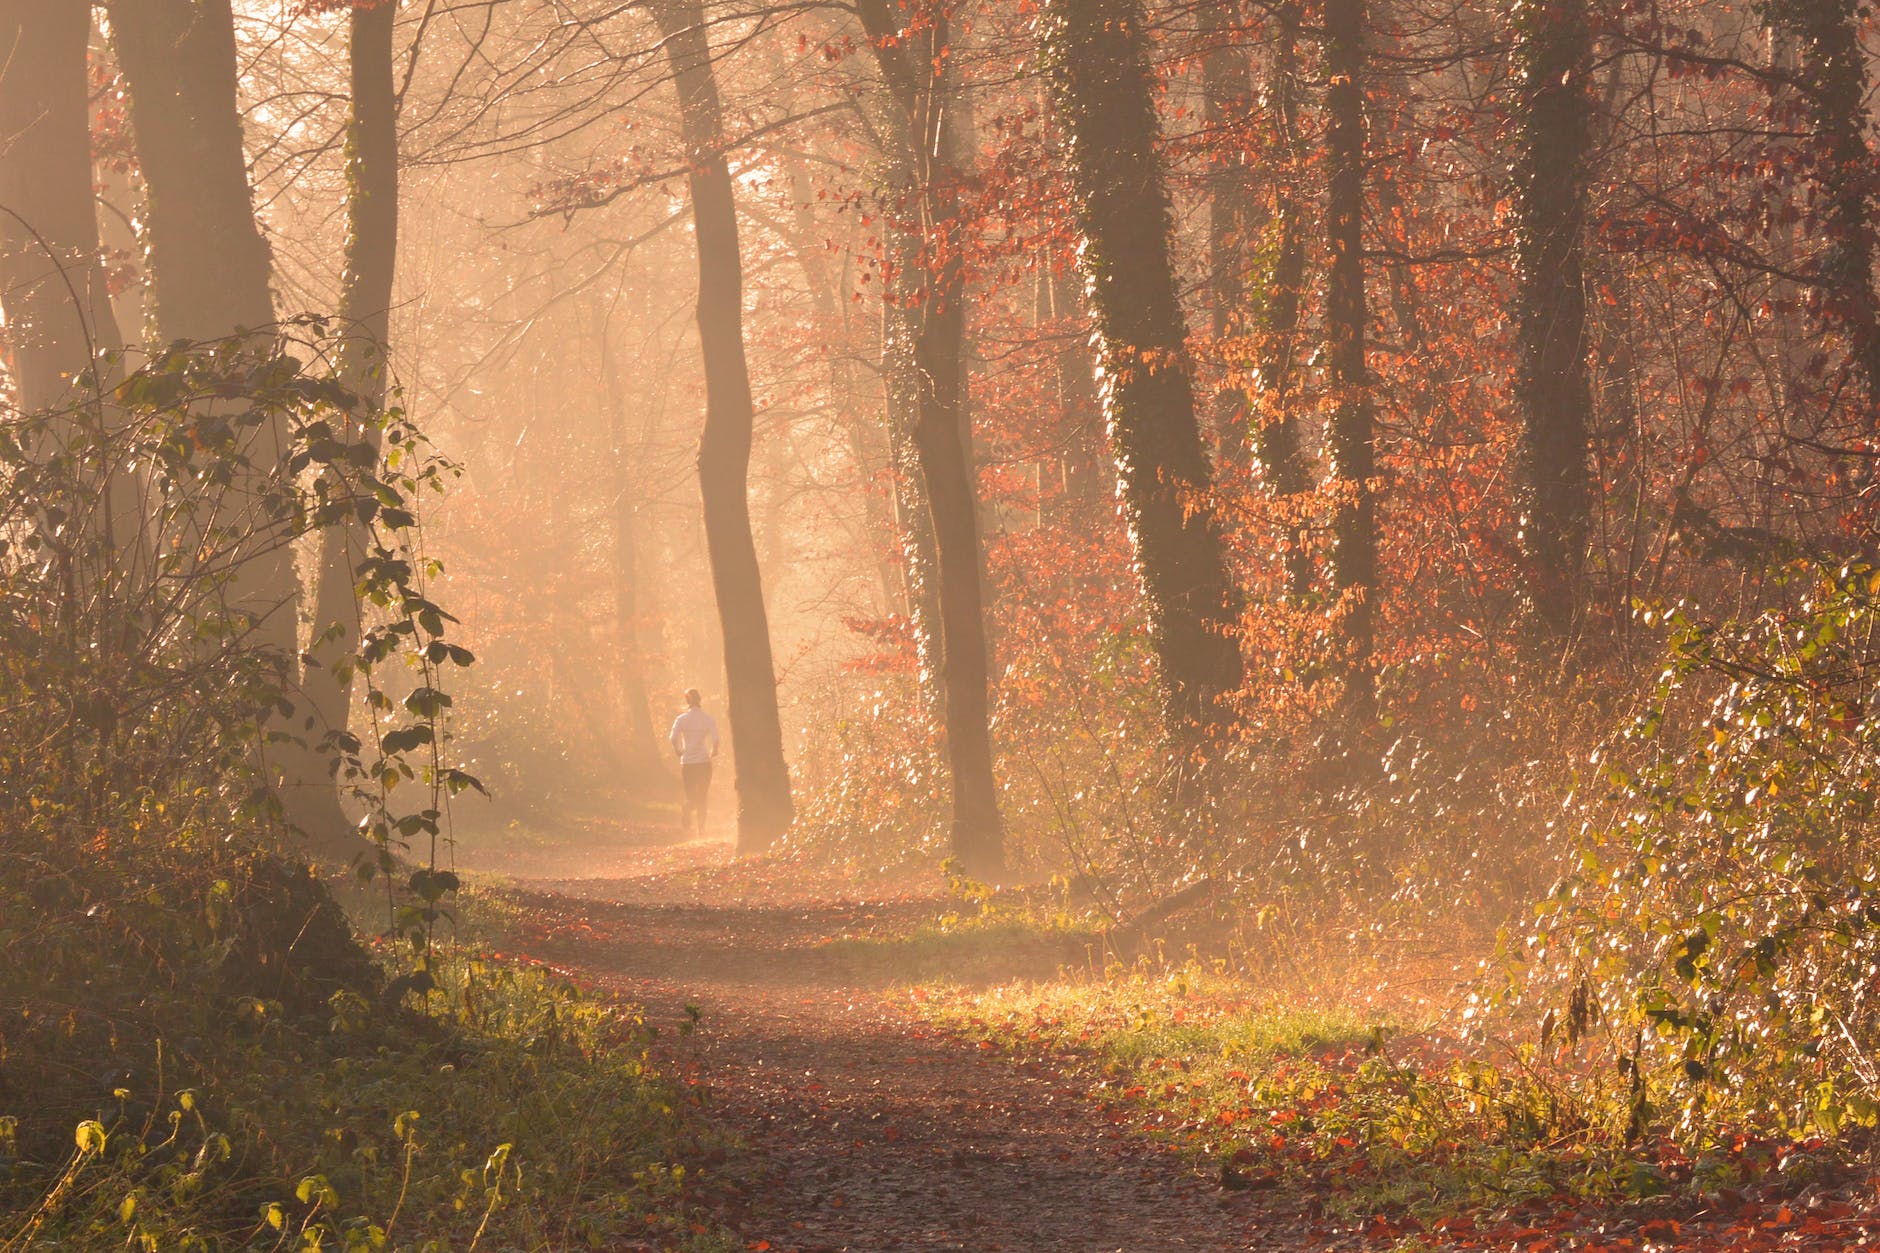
365,303
59,322
724,456
1353,429
866,440
639,740
209,267
208,273
52,282
1084,482
1281,460
1228,101
931,297
920,564
1099,69
1831,82
1553,393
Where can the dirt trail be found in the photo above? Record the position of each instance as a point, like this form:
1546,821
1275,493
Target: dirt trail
866,1130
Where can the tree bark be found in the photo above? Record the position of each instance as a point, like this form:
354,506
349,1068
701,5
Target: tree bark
765,809
1084,482
1552,388
929,299
208,265
1277,446
639,740
1099,69
208,272
52,282
365,304
920,564
59,322
1830,84
1353,426
1228,101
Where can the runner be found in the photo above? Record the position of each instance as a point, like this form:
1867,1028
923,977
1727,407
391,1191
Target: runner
695,739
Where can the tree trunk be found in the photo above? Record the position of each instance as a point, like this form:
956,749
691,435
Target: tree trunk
208,274
1281,460
640,743
1353,427
1553,393
52,283
1830,83
930,298
365,304
209,267
1228,101
920,571
59,322
724,457
1098,63
1084,482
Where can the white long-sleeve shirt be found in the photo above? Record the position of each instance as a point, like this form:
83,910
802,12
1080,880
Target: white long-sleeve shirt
695,737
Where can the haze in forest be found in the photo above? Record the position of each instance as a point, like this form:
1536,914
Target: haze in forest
1372,499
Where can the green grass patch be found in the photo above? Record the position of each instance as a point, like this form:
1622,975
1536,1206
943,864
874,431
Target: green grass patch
979,933
1370,1117
506,1110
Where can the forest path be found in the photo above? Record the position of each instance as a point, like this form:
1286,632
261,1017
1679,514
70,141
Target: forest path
864,1128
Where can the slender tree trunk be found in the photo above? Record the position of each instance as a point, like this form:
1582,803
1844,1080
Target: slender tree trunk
1099,69
1228,100
52,284
639,742
59,322
209,267
1553,392
724,458
1281,460
365,303
1830,87
208,274
1353,426
920,564
930,297
1084,481
866,443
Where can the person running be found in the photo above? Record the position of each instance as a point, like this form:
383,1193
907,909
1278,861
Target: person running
695,739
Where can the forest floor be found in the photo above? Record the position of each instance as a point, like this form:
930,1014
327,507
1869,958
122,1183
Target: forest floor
855,1118
857,1124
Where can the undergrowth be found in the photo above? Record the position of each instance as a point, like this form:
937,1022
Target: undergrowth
507,1110
198,1050
1365,1118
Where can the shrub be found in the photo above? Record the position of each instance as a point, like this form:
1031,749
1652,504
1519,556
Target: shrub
1718,929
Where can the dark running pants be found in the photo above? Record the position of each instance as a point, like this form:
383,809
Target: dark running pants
697,777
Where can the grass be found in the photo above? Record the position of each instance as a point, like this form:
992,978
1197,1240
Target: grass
507,1109
978,935
1364,1115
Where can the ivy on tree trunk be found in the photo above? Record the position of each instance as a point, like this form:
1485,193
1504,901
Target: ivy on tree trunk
927,329
365,304
1352,433
1553,391
1104,96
